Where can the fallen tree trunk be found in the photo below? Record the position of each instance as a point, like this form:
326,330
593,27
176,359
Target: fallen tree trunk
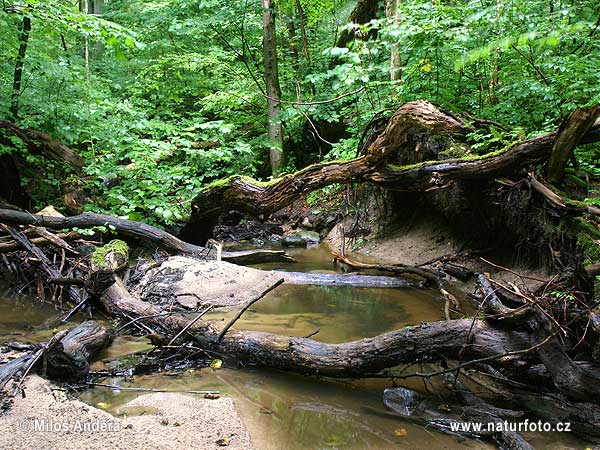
142,231
392,161
347,279
427,342
65,356
41,144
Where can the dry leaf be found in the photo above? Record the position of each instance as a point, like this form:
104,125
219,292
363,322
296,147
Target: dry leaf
400,432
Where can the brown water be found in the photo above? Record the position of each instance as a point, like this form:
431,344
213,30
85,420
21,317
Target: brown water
285,411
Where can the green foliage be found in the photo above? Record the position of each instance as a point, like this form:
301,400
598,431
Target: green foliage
170,98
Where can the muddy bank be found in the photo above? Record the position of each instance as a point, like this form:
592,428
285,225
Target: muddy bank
415,242
47,419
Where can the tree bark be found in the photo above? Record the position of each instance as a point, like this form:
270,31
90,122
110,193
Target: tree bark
273,90
569,135
405,139
391,13
18,75
140,231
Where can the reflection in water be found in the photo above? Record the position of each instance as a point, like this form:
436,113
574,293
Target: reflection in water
284,411
340,313
26,320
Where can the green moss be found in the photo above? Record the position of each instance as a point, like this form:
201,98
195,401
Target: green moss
455,150
225,182
590,249
116,245
585,234
446,161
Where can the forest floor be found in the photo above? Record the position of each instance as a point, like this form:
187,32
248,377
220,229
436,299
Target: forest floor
155,421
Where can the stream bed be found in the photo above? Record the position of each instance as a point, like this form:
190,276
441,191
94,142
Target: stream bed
286,411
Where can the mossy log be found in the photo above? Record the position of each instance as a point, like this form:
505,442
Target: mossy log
400,159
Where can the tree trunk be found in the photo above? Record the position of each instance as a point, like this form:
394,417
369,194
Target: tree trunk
391,13
18,76
411,134
273,90
431,342
302,20
569,134
363,12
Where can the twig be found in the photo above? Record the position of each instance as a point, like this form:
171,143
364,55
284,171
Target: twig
77,307
317,102
192,322
243,310
141,318
122,388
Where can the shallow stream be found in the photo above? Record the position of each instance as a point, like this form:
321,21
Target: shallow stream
284,411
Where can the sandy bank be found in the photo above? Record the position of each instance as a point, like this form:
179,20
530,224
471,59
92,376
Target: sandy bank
48,420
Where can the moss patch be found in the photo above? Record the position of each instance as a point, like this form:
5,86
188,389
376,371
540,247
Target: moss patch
116,245
585,234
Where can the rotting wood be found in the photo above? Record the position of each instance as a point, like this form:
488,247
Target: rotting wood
377,166
142,231
65,356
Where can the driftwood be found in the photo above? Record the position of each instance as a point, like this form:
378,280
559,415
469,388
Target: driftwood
142,231
65,356
70,359
426,342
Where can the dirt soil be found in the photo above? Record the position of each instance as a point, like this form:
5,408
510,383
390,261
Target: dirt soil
157,421
423,240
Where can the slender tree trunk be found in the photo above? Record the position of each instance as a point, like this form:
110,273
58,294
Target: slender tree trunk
569,134
84,8
302,21
391,12
292,39
16,92
273,89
